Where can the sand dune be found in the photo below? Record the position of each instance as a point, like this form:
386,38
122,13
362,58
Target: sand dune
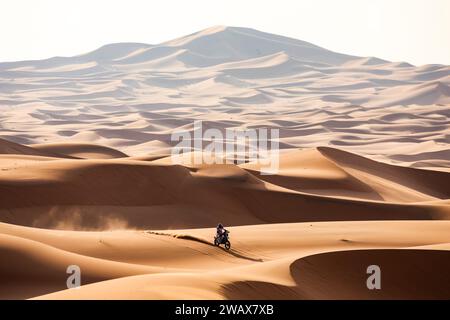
8,147
332,172
34,268
78,150
92,193
228,74
314,279
254,267
86,176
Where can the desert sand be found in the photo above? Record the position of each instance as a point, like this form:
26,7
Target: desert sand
86,176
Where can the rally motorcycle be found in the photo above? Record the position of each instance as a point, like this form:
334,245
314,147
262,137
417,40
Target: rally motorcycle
223,239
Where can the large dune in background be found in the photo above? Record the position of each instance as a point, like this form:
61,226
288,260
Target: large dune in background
86,177
132,96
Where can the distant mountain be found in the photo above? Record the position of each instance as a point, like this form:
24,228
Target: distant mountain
208,47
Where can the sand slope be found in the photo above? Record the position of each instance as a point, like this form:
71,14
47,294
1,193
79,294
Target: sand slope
95,194
295,264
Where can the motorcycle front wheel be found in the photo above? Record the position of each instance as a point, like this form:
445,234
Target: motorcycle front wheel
227,245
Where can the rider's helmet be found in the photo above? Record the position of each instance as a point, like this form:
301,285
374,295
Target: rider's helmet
219,226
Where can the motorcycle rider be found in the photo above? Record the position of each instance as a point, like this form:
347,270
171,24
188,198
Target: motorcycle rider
220,231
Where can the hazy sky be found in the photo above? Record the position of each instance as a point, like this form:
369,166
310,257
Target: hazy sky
417,31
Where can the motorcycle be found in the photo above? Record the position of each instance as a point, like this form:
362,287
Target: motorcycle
224,239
